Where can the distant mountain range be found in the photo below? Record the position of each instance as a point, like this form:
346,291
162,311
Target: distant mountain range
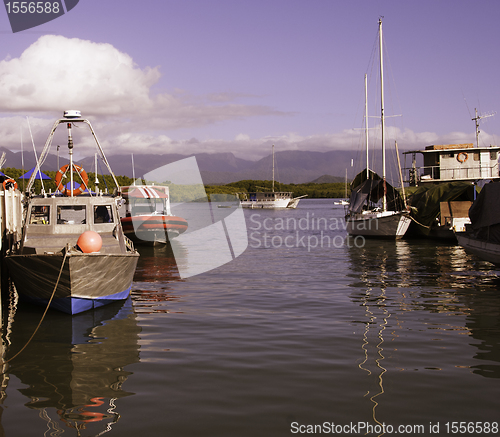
218,168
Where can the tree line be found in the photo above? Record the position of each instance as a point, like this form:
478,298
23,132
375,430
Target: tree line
185,192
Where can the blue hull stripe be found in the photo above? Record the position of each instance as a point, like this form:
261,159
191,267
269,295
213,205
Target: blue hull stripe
75,305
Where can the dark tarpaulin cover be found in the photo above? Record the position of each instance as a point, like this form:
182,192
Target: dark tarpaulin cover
425,202
485,213
364,190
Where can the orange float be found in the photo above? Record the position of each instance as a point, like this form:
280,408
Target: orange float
89,242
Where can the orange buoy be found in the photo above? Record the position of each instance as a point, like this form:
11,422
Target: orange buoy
89,241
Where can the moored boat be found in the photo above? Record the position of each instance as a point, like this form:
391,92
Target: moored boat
364,217
269,199
147,218
482,236
447,183
73,253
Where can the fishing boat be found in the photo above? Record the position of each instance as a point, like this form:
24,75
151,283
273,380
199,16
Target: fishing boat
147,218
364,217
269,199
482,236
73,253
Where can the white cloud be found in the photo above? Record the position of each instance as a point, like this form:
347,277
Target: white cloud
56,73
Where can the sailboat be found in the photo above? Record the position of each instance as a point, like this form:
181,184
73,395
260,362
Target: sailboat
391,220
343,201
270,199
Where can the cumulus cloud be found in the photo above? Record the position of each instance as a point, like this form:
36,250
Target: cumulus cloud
57,73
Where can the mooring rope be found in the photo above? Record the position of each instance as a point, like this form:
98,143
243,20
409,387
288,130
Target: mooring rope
45,312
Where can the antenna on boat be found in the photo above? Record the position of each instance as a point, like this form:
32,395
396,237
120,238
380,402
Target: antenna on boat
133,168
70,147
96,178
476,120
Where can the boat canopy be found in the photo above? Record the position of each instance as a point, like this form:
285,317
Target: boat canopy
144,193
371,189
425,202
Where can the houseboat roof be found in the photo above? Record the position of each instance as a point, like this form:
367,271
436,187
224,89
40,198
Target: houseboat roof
445,148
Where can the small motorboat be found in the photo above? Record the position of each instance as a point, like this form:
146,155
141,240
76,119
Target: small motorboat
147,218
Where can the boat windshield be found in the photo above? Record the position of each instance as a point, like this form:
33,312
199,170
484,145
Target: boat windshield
40,215
71,214
103,214
148,206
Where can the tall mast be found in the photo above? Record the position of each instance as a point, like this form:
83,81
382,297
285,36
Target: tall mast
70,147
273,168
382,115
366,127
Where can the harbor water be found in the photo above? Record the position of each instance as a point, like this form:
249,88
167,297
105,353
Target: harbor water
306,332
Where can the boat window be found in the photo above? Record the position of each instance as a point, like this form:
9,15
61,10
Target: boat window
103,214
71,214
476,156
493,156
40,215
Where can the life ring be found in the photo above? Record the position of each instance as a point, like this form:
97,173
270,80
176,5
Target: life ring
462,157
62,172
7,183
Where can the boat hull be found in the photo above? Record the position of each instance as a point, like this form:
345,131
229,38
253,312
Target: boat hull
388,225
483,249
153,230
269,204
87,280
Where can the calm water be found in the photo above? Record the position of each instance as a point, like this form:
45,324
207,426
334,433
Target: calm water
302,329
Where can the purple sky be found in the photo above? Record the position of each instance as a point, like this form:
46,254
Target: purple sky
197,76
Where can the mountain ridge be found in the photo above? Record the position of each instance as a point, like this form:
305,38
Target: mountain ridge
291,166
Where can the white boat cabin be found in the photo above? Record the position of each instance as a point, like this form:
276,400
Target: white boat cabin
453,162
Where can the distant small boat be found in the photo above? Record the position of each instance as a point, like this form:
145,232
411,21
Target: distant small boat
342,202
147,218
73,252
270,199
482,236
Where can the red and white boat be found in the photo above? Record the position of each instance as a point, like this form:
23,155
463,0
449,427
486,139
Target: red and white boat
147,218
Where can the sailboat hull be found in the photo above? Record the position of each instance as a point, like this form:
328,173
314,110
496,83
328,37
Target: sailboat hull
387,225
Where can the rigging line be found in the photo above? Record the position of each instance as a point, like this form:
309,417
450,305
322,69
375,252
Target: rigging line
46,309
37,167
102,173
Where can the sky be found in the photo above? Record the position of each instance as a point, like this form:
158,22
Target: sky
207,76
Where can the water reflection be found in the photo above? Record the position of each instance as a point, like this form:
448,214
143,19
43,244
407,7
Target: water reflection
375,323
74,367
399,278
155,271
156,264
